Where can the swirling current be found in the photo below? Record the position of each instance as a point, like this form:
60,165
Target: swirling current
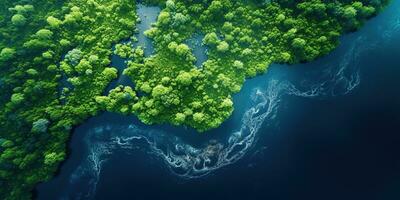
188,161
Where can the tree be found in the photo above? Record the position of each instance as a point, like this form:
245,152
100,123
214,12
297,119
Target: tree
285,56
198,117
350,13
182,49
298,43
18,20
6,143
172,46
211,39
184,78
223,46
40,126
74,56
64,42
238,64
54,22
180,117
48,54
146,87
159,91
110,73
36,44
25,9
44,34
53,158
227,27
227,103
170,4
164,18
83,66
73,16
7,54
32,72
367,11
17,98
179,19
165,80
216,7
280,17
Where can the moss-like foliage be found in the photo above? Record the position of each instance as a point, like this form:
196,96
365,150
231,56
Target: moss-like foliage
55,66
242,38
45,95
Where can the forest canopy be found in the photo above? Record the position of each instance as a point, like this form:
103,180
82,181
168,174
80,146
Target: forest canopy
55,66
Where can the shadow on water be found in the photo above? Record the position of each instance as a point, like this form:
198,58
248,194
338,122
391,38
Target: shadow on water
129,144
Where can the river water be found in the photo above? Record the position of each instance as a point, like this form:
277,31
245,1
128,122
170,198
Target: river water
328,129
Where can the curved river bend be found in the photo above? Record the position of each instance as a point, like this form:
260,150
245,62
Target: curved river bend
117,157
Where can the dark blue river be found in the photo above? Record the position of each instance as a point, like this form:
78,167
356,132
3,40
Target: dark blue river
329,129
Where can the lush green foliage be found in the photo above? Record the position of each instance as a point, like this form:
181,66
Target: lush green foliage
38,110
242,38
45,94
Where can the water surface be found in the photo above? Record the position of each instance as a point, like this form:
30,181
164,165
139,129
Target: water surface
322,130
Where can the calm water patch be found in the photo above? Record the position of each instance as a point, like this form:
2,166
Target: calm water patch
148,16
198,48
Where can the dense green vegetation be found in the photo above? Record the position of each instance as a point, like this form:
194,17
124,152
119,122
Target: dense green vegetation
55,66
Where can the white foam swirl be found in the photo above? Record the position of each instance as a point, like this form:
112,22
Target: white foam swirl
189,162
